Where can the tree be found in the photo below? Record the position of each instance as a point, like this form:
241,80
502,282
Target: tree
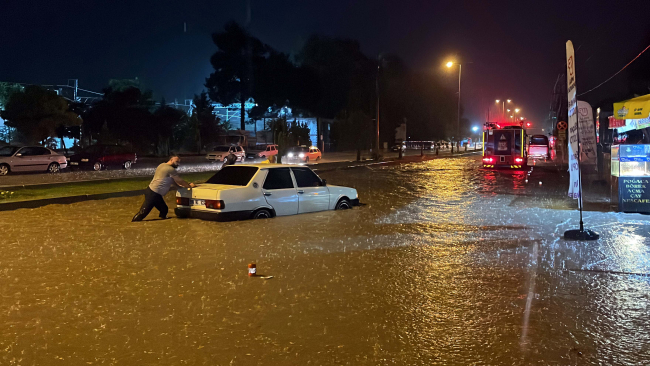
36,112
124,115
207,124
345,76
234,64
353,131
6,91
287,135
165,120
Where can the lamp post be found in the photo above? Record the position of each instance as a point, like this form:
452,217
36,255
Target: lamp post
450,64
503,107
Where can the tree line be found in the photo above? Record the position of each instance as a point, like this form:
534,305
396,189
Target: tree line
329,78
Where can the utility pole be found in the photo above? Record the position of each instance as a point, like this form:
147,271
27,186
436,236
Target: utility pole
458,121
376,153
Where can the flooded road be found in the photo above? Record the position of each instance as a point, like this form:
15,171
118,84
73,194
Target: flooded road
445,264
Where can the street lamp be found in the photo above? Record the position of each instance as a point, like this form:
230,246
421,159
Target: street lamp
475,129
503,107
449,65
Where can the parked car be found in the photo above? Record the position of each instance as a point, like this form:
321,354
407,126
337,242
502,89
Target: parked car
265,153
538,147
397,147
302,154
219,153
260,191
30,159
98,157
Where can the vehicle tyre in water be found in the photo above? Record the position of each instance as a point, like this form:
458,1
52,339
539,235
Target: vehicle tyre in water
127,165
182,214
262,214
343,204
54,168
97,166
4,169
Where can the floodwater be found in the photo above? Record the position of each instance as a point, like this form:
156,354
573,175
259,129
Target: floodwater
445,264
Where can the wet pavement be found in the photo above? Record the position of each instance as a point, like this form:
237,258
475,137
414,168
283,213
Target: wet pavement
445,264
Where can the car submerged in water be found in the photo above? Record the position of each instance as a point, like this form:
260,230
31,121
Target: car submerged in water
260,191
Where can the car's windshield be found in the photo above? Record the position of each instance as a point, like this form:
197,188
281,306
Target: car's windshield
7,150
234,175
298,149
221,148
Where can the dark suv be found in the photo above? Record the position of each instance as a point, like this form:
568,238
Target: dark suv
98,157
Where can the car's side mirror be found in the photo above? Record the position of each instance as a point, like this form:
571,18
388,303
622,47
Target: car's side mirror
19,155
324,182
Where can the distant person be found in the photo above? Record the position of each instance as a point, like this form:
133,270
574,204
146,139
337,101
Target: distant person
163,179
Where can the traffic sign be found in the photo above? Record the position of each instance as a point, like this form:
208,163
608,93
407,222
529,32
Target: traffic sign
562,126
562,134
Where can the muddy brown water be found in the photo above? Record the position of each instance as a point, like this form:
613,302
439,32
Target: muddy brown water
439,267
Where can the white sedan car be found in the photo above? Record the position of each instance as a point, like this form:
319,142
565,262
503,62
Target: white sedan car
260,191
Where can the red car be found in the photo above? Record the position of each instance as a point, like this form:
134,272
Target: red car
98,157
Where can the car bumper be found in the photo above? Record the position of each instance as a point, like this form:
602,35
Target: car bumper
79,164
213,216
355,202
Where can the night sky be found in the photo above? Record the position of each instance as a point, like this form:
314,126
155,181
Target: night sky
511,49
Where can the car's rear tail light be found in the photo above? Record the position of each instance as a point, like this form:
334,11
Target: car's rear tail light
518,160
215,205
183,201
488,160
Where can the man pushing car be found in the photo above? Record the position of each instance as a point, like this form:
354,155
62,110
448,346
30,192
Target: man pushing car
163,179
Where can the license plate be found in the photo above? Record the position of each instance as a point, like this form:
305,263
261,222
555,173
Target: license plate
194,202
74,163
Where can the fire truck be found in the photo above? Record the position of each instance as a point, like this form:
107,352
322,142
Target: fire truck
504,146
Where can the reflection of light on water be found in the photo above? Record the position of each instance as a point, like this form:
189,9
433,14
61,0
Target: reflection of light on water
631,252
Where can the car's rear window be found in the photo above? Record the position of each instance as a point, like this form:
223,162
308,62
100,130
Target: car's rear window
234,175
539,140
8,150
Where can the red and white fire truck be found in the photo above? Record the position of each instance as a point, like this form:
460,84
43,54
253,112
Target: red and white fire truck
504,146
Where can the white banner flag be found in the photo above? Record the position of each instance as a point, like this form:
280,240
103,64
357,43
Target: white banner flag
587,133
574,168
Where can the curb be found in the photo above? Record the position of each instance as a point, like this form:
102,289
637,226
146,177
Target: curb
9,206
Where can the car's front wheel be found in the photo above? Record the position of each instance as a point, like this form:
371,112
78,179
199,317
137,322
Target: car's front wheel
127,165
343,204
54,168
4,169
262,213
97,166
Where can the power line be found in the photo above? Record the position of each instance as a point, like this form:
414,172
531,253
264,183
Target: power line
619,71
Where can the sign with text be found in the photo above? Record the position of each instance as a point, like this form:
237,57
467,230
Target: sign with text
616,123
574,167
634,194
587,134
